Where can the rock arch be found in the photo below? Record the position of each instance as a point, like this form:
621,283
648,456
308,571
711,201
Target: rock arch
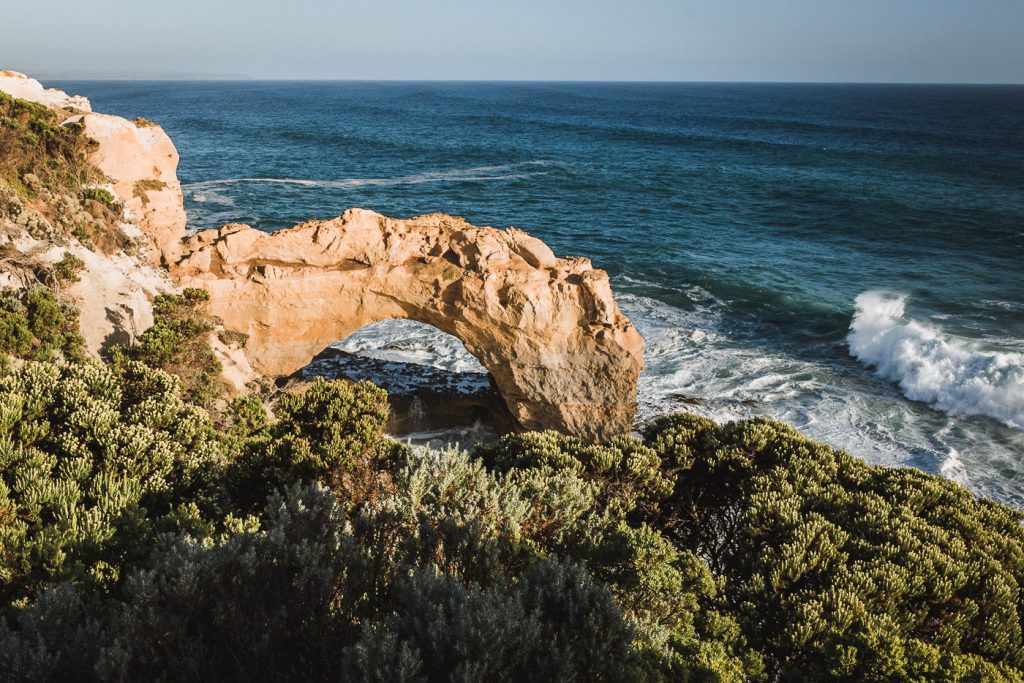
548,329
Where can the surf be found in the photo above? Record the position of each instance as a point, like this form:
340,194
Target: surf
950,374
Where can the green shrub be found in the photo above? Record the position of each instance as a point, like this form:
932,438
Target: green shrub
35,325
100,195
627,474
68,268
34,142
178,343
839,570
552,624
331,432
92,464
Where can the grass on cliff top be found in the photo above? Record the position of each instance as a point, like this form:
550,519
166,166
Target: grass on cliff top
33,141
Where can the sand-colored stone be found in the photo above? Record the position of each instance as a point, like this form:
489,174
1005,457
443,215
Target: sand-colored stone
547,329
139,158
142,162
21,86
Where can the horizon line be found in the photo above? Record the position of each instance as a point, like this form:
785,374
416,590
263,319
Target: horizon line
212,78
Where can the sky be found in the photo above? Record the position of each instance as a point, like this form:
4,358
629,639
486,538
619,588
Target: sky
926,41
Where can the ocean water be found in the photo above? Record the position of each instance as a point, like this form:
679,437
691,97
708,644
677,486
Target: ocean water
848,258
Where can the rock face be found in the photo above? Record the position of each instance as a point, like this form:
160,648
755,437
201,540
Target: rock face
24,88
137,156
142,162
547,329
115,291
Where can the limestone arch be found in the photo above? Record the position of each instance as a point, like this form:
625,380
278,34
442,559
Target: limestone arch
548,330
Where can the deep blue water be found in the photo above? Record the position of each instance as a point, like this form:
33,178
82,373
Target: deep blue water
744,226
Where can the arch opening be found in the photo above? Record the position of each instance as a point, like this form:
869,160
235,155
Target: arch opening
439,393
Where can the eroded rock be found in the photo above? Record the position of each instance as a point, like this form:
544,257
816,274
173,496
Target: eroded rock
548,330
142,162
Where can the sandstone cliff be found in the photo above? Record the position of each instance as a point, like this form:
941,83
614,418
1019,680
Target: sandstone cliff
547,329
115,290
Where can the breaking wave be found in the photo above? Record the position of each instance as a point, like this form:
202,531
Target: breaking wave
948,373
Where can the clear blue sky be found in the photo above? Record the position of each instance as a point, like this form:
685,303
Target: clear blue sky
753,40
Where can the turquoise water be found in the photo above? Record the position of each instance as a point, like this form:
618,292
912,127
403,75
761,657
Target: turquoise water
846,258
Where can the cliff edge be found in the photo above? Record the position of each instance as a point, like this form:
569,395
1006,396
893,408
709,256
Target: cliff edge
548,329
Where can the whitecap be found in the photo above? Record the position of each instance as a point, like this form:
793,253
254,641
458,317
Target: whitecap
948,373
512,171
409,341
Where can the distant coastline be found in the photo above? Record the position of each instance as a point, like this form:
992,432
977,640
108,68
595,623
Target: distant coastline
72,75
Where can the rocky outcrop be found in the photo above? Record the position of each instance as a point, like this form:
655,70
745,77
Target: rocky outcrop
141,162
137,156
24,88
114,291
547,329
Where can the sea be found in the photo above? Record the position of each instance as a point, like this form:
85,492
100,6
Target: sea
846,258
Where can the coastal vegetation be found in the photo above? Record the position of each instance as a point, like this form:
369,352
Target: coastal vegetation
48,185
147,535
35,142
152,529
177,343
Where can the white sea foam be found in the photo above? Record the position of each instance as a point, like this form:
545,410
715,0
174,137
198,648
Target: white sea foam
475,174
948,373
208,195
409,341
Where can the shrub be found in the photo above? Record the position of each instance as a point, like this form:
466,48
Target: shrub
34,142
178,343
626,473
836,569
331,432
100,195
34,324
552,624
90,461
266,609
68,268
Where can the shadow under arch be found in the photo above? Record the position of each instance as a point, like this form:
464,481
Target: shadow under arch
436,388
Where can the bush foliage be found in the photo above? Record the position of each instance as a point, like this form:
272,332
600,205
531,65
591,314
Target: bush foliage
48,185
35,324
178,342
33,141
140,539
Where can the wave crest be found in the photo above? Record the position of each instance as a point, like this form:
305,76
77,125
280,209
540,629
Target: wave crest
514,171
948,373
